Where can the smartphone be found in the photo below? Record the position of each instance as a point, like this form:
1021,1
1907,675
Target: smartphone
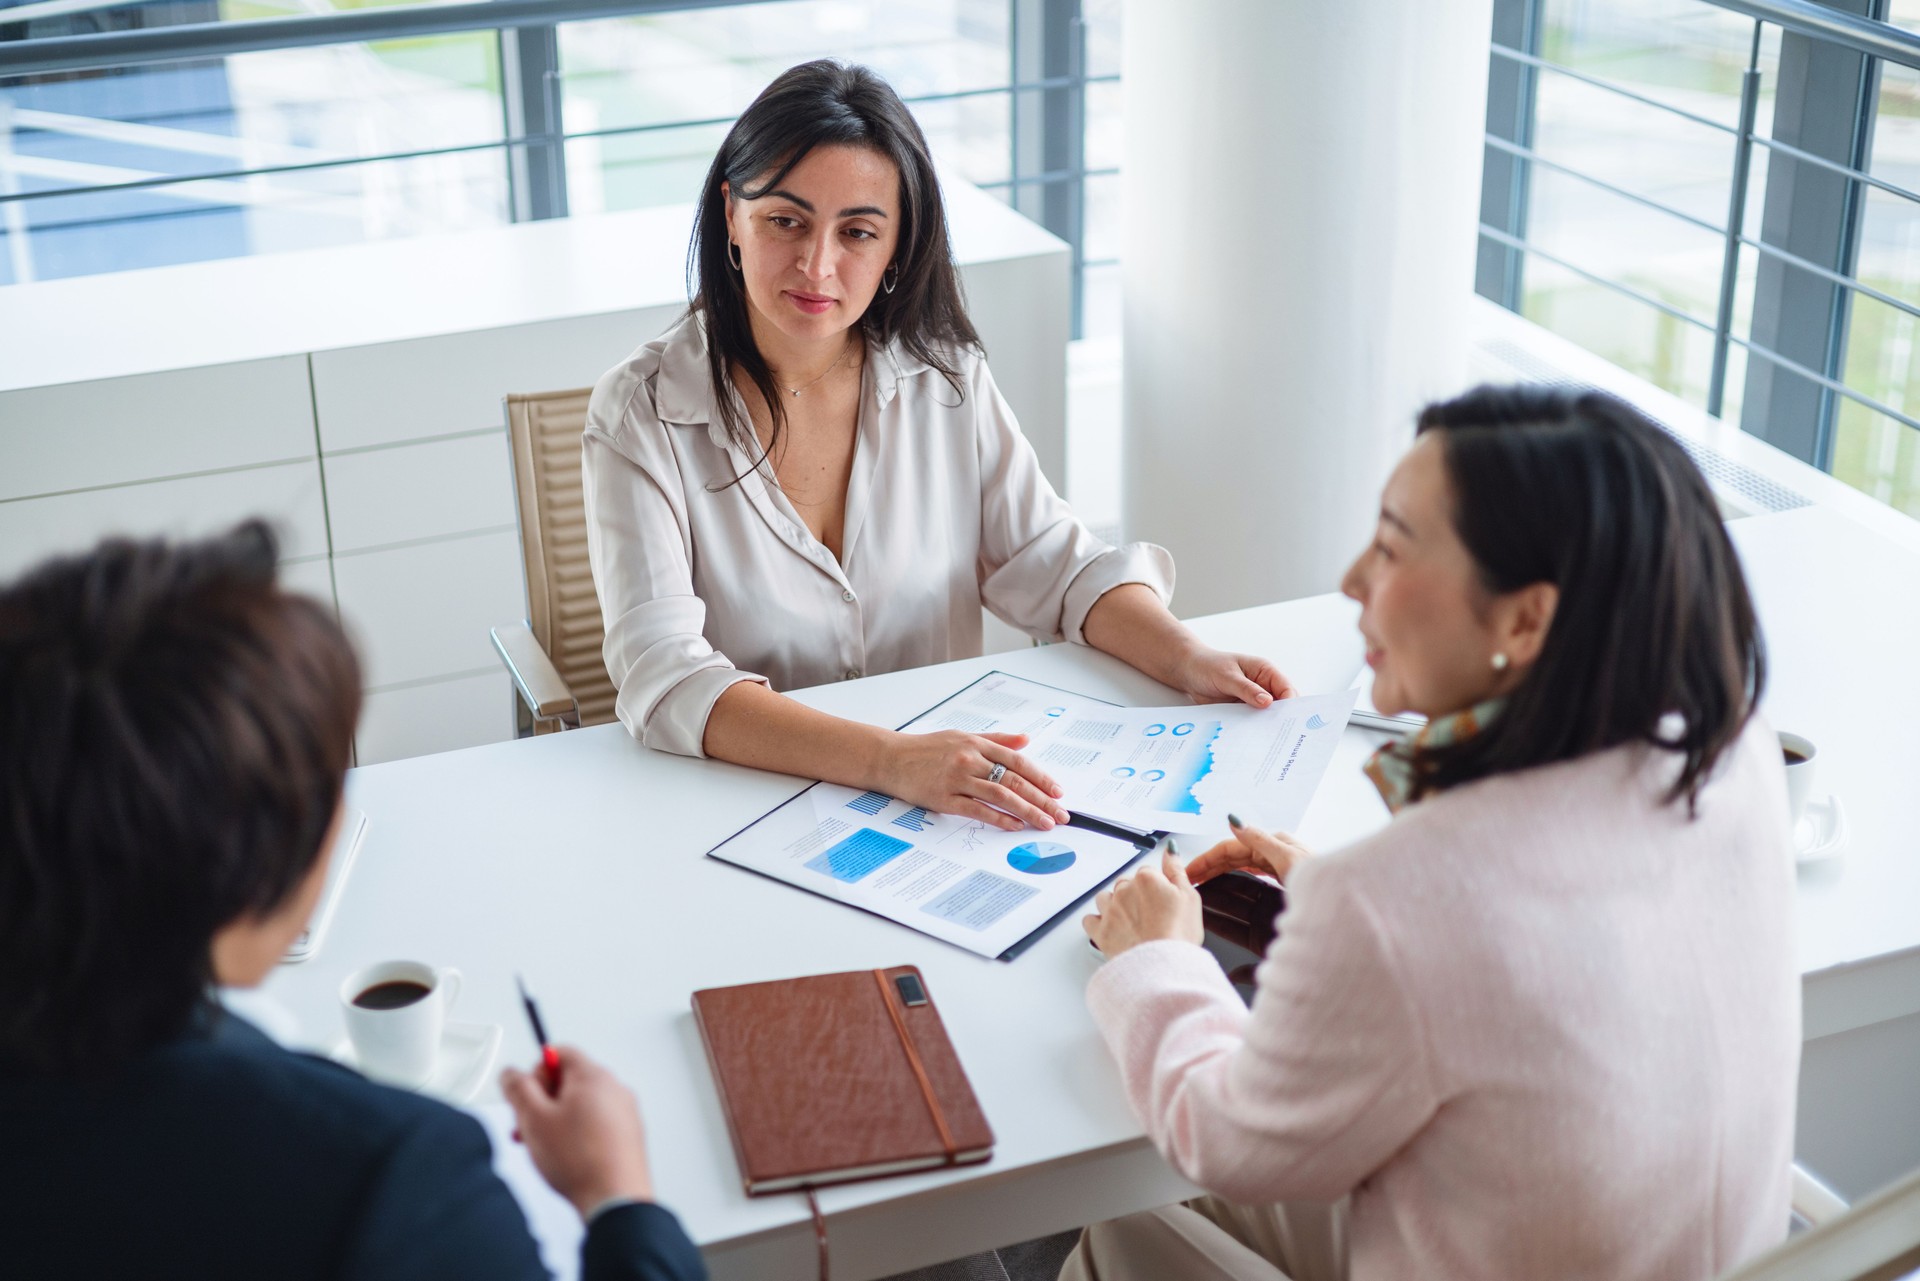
1241,913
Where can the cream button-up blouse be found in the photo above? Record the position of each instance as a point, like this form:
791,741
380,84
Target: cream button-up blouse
704,582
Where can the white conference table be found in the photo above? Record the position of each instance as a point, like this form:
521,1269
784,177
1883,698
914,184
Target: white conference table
576,859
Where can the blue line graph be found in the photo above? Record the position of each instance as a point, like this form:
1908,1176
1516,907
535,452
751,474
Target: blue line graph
914,820
870,803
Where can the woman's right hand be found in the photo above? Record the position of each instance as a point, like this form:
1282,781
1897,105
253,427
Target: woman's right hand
1249,849
947,772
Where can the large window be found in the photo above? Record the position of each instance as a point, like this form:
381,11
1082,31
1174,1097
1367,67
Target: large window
287,130
1721,198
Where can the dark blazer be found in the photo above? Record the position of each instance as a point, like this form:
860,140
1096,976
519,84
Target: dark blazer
221,1155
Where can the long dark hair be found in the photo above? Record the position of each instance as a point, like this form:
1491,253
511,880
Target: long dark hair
1654,638
815,104
174,732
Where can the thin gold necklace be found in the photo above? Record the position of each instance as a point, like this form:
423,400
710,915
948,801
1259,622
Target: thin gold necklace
845,352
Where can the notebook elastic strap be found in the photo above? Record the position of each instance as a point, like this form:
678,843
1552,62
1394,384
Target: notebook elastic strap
919,1068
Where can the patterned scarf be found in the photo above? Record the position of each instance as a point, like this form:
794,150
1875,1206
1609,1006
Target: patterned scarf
1393,769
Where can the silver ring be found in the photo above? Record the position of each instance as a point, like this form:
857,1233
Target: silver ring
997,771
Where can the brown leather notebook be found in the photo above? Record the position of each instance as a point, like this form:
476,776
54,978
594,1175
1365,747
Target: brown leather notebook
837,1077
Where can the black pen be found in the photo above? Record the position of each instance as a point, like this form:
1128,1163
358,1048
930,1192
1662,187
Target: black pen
549,1057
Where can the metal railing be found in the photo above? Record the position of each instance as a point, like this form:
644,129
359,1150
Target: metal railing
1855,34
1043,155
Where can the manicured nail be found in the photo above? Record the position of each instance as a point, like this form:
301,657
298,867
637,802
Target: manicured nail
1233,820
1173,847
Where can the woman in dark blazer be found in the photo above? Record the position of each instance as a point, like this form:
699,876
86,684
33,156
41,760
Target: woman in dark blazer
174,733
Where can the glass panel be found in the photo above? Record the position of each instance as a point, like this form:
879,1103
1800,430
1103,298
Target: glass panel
1105,135
1872,452
1684,53
286,108
659,166
1104,26
1100,304
1621,240
1641,149
1102,234
1904,14
1896,128
970,135
707,65
242,10
1667,352
710,63
1689,56
1878,455
201,220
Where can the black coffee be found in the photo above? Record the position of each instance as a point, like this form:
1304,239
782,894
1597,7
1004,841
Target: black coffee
1793,757
391,995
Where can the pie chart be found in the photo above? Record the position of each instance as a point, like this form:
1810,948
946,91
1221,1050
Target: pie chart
1040,858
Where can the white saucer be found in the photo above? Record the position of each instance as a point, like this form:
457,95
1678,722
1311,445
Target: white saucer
467,1051
1822,832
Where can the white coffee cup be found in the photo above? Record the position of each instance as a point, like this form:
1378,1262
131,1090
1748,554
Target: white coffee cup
1799,754
398,1043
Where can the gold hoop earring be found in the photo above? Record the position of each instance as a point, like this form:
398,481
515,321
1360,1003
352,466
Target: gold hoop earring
891,279
733,255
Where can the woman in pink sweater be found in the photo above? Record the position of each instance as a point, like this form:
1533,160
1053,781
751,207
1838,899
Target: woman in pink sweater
1546,1024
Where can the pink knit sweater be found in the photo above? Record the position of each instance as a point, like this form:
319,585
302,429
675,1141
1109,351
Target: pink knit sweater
1540,1026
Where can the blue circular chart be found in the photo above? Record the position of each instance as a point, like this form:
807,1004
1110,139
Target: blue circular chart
1040,858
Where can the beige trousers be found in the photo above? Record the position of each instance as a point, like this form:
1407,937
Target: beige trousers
1208,1239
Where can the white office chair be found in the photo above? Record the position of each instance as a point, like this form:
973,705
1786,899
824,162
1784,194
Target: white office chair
1876,1240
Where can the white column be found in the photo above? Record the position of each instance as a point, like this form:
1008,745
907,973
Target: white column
1302,185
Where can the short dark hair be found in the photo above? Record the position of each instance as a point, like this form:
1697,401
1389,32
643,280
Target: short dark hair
819,104
1655,638
174,732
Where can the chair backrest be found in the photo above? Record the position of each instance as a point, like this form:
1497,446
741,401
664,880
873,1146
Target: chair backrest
563,612
1877,1239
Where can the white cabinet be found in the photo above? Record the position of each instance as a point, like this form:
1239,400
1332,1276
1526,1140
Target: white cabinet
439,716
32,529
423,611
379,497
115,431
454,382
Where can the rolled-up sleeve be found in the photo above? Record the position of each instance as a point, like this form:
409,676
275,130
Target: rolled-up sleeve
640,549
1041,569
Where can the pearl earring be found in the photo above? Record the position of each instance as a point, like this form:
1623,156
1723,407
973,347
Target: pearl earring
1499,662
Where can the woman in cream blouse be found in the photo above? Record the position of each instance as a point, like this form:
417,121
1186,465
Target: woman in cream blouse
811,477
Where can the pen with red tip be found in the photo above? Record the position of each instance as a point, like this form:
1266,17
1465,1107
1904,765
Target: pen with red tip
549,1057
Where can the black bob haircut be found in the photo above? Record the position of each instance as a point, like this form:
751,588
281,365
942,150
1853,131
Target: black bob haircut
1654,639
823,104
174,733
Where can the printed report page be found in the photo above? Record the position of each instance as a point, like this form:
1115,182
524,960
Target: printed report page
957,879
1175,769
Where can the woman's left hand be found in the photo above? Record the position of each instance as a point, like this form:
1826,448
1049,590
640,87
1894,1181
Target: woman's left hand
1215,676
1146,904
